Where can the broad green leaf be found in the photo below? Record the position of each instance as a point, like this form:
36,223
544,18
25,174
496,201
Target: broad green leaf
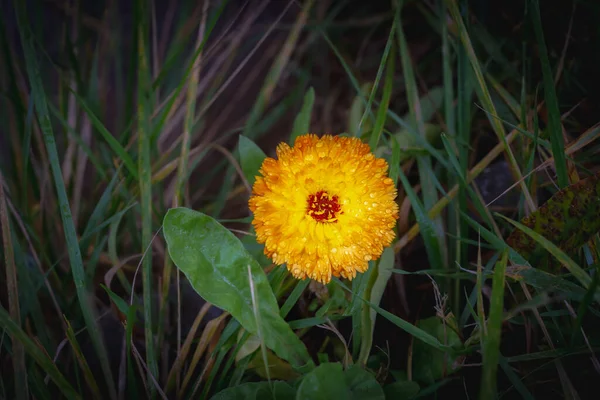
302,121
323,383
362,384
257,391
329,381
568,220
251,158
216,264
429,363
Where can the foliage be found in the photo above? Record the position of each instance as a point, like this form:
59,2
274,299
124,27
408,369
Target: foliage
132,135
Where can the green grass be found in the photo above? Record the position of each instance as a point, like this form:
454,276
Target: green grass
111,117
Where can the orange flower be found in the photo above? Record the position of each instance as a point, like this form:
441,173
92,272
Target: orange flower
324,207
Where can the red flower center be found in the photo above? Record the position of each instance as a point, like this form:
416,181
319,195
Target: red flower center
323,207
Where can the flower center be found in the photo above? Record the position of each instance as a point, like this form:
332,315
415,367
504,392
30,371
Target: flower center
323,207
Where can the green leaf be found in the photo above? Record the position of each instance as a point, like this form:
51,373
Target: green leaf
329,381
251,158
119,302
257,391
216,264
302,121
357,110
429,363
362,384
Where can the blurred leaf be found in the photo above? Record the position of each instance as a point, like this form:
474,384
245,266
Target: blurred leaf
407,140
431,364
357,109
409,144
302,121
401,390
251,158
430,103
329,381
215,262
257,391
568,220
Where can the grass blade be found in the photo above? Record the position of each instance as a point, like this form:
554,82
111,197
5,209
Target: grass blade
40,357
110,139
377,283
434,239
87,373
385,100
293,297
367,110
145,184
411,329
302,121
75,258
276,71
554,124
18,356
493,333
562,257
485,98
